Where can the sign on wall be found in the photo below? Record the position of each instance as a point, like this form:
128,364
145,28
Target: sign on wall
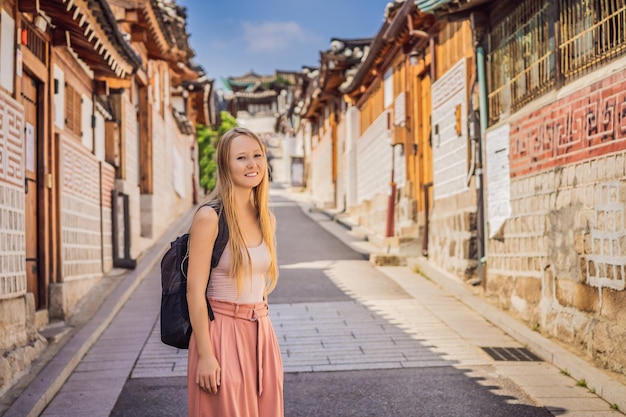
449,95
499,178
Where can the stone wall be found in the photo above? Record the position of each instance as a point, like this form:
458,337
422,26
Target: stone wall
452,234
559,261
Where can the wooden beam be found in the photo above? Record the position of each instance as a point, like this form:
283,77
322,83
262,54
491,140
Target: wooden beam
131,15
114,82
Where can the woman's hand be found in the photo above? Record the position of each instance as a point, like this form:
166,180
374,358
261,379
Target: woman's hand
208,374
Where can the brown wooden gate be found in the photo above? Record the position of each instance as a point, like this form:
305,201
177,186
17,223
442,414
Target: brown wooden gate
424,164
30,99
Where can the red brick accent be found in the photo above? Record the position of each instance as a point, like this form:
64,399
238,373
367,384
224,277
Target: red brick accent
586,124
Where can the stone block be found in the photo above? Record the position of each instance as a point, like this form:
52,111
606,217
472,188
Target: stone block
528,289
579,242
499,286
380,259
613,303
577,295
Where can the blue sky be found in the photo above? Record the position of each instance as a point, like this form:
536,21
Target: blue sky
232,38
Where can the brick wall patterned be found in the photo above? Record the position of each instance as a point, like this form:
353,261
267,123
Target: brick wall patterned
374,159
12,237
451,239
605,266
452,225
561,257
12,242
11,143
450,153
567,179
523,249
107,175
81,239
583,125
132,142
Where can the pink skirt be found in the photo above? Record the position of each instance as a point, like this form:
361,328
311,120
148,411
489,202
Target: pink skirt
246,348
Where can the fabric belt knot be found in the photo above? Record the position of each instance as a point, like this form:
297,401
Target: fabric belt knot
251,312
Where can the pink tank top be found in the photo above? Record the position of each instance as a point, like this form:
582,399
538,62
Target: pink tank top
223,287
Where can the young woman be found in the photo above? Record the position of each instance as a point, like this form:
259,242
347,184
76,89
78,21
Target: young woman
235,367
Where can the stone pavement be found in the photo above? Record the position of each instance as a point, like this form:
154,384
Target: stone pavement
440,323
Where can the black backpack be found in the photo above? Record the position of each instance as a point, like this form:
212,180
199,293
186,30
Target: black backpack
175,323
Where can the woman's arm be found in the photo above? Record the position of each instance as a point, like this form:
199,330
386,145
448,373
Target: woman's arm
202,238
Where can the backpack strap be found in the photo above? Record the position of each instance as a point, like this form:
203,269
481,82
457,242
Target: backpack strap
220,243
222,238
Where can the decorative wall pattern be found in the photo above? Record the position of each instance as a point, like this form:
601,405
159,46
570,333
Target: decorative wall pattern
12,242
374,159
11,144
81,235
107,175
450,153
586,124
12,237
606,265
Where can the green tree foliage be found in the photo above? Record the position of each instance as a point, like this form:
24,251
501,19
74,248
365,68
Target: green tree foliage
207,144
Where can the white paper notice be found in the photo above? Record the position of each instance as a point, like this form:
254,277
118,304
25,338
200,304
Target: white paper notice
30,147
498,178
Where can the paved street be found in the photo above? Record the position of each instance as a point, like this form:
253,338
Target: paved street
356,341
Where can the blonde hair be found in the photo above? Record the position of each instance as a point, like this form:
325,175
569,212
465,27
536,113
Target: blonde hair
260,199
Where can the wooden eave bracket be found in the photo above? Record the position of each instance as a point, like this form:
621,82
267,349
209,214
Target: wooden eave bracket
78,29
155,36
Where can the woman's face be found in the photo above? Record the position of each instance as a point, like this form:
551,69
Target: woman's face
247,162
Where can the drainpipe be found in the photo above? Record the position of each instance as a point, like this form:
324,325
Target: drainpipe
391,202
481,218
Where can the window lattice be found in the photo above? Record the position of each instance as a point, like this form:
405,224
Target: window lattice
73,110
527,44
521,60
592,32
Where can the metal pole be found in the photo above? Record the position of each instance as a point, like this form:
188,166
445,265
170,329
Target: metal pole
391,203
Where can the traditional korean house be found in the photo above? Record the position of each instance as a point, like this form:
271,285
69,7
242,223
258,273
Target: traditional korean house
86,106
55,182
552,79
255,101
389,149
152,122
301,170
331,129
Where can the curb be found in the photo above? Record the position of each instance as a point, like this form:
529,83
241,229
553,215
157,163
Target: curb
40,392
605,386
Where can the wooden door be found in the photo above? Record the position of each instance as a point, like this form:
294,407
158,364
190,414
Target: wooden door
424,163
425,155
30,100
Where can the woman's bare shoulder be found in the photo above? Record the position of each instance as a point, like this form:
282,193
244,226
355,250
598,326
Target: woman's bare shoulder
205,220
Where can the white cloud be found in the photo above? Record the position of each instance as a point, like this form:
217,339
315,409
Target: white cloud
275,36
